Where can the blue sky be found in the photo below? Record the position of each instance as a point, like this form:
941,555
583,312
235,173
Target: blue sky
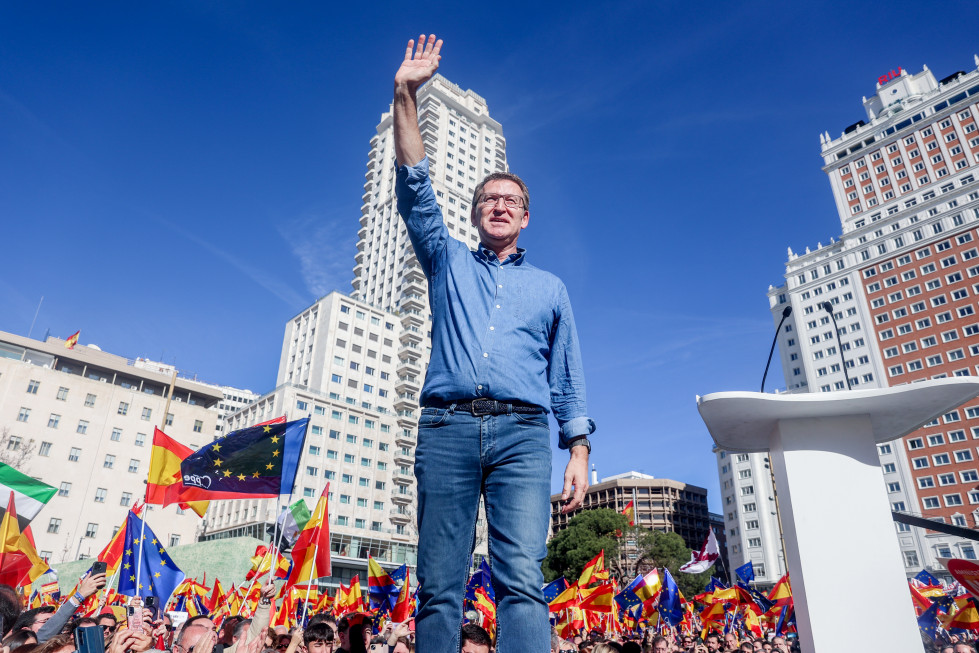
178,179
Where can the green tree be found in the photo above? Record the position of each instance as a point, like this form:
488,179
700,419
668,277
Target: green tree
587,533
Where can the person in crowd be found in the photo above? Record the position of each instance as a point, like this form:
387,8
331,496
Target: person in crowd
713,643
730,642
474,639
354,631
319,637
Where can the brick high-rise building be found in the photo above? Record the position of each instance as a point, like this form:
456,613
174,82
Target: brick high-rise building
901,281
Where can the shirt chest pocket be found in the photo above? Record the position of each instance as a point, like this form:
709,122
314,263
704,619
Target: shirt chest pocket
530,310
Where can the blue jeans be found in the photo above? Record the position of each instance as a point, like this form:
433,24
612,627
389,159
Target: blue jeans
508,459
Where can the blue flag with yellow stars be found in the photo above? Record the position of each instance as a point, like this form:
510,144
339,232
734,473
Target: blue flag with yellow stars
669,600
158,576
260,461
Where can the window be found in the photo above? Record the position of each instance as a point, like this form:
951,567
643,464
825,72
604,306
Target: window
941,459
45,449
100,495
147,414
91,530
126,499
24,414
65,489
133,465
930,503
198,426
140,439
926,482
54,525
123,408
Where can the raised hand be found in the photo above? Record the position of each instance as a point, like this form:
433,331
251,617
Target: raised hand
420,63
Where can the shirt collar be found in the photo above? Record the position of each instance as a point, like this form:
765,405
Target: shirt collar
489,255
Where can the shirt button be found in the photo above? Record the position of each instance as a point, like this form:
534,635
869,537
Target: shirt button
497,305
479,387
485,355
492,328
500,285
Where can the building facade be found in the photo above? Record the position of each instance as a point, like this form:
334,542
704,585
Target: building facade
660,504
900,283
85,420
340,367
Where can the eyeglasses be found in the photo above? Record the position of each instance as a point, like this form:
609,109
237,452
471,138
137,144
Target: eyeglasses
509,201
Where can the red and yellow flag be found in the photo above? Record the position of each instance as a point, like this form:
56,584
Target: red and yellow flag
72,340
594,570
597,599
19,562
165,485
402,608
311,552
630,512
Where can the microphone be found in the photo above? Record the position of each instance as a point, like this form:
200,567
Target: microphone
826,306
785,313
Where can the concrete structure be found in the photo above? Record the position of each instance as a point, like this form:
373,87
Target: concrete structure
89,415
810,437
340,366
901,282
661,504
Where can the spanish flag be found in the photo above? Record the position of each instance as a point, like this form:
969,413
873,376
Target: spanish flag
630,512
19,562
594,570
311,553
402,608
165,485
72,340
597,599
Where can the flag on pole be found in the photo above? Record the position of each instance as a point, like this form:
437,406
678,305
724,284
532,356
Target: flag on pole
669,601
594,570
554,588
111,555
30,495
381,590
704,560
158,575
402,607
288,524
630,512
311,554
164,485
260,461
72,340
19,562
745,573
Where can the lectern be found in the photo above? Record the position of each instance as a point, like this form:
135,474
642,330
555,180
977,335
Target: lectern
836,517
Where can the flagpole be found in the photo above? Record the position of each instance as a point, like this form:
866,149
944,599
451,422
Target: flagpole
146,489
254,580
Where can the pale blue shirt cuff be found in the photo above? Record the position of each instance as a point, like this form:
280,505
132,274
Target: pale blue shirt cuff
574,428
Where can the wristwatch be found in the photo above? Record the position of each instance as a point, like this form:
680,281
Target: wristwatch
581,440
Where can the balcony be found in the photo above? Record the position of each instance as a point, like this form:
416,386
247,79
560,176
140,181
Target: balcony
405,403
412,301
401,458
411,335
404,439
409,366
405,497
399,516
407,383
402,479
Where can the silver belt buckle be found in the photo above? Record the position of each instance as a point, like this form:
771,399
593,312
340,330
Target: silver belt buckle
490,403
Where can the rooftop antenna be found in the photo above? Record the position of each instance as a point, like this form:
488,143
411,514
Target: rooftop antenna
35,317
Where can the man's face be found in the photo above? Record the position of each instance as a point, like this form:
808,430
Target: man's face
191,635
470,647
730,642
40,619
499,225
320,647
778,644
757,646
661,647
962,648
767,647
713,643
687,642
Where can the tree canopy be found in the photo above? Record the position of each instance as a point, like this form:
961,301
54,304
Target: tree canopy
593,530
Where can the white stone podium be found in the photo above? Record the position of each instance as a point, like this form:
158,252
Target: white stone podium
835,513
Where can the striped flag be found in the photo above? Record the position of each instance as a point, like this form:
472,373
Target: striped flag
30,495
72,340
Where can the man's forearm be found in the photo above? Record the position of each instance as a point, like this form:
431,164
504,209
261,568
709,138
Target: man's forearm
408,146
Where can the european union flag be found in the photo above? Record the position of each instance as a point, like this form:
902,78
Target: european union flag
158,576
260,461
555,587
928,621
669,601
745,573
926,578
482,578
715,584
400,574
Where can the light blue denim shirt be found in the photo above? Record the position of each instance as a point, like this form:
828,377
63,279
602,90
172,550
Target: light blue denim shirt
500,330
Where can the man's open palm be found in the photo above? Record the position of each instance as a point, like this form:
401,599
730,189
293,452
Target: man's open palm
420,63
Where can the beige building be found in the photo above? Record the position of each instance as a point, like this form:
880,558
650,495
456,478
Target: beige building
86,417
345,365
661,504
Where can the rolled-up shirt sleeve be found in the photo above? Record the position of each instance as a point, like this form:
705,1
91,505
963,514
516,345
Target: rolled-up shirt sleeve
422,216
567,378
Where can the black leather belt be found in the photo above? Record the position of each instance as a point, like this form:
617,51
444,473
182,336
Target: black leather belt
479,407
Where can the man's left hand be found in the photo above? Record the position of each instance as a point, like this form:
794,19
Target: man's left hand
575,476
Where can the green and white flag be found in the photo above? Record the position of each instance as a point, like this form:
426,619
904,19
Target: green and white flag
290,522
30,495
